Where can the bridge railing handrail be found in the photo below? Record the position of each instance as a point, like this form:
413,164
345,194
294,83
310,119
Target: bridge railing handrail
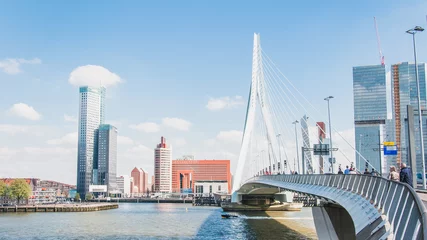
379,191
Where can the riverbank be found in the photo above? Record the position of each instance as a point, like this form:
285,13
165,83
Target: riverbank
144,200
79,207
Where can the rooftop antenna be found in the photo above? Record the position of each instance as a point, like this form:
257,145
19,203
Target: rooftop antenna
379,43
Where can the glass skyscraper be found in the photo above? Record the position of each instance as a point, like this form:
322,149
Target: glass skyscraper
107,157
91,115
372,91
405,93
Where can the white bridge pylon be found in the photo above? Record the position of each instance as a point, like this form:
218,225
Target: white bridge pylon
270,130
256,97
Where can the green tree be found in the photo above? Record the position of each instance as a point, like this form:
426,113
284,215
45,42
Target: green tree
20,190
77,197
89,196
3,190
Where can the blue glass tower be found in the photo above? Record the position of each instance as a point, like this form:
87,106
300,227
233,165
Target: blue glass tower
372,112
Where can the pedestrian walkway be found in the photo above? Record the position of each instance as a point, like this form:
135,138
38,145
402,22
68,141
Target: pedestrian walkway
423,196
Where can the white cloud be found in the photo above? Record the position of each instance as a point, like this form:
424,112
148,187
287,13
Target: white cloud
40,162
93,75
13,129
216,104
148,127
12,65
230,136
178,142
177,123
25,111
68,118
70,138
122,140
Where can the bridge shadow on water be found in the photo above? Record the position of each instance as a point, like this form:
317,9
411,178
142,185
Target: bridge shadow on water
256,225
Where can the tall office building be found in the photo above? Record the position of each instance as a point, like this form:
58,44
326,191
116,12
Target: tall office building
405,93
372,110
91,115
163,167
107,157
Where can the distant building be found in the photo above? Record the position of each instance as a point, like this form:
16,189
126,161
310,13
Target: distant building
107,157
140,181
405,93
124,185
321,135
372,112
44,191
210,187
185,173
163,167
91,115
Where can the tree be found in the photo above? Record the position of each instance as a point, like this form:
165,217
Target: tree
20,190
89,196
77,197
4,189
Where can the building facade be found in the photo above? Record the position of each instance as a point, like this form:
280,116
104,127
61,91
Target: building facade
163,167
185,173
107,157
405,93
124,185
140,181
372,110
321,135
210,187
91,115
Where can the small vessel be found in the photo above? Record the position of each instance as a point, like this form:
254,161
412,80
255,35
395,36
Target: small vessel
228,216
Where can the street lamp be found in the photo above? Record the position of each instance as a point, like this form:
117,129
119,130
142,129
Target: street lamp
296,142
413,31
330,131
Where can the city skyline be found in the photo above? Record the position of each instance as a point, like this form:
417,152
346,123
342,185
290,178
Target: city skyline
199,102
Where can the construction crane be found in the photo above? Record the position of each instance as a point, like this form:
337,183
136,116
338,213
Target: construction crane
379,43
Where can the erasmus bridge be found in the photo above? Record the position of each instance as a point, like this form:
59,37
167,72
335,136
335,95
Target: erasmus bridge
354,206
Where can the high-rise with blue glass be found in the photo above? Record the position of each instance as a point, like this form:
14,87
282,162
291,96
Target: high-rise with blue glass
372,113
405,93
91,115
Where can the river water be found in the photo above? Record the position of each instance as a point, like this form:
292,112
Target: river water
158,221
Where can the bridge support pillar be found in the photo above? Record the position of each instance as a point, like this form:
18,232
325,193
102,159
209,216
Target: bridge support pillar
286,197
333,222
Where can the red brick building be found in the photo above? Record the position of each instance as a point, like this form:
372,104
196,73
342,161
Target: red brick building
185,173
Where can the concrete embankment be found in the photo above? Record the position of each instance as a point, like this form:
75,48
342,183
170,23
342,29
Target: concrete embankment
145,200
85,207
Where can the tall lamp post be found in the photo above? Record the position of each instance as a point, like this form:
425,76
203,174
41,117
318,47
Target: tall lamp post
330,131
296,142
413,31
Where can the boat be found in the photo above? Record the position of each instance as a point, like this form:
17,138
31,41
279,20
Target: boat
228,216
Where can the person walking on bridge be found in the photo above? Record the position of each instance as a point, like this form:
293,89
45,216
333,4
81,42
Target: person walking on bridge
393,176
405,174
346,171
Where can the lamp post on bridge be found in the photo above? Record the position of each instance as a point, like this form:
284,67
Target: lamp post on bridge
296,142
330,131
413,31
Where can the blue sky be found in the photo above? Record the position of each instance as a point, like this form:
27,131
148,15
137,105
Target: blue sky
172,58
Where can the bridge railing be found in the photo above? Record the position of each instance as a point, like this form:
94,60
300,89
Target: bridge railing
399,202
